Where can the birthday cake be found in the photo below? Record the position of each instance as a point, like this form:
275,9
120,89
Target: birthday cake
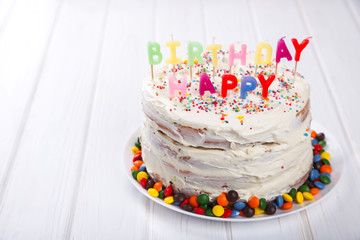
206,142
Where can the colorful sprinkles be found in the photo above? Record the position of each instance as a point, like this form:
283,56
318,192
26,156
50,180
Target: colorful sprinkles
228,204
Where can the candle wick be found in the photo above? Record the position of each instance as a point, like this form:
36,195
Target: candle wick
172,37
213,40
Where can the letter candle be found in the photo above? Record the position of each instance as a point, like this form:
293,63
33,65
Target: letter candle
281,52
298,49
240,55
262,60
173,59
155,56
213,48
194,51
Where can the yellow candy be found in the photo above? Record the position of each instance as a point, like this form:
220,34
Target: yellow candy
141,175
153,192
287,197
299,197
308,196
196,61
325,155
135,150
218,210
258,211
169,200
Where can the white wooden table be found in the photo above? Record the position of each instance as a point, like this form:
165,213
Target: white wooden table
70,77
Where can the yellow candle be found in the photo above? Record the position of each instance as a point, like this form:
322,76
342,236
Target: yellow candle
213,48
259,60
173,59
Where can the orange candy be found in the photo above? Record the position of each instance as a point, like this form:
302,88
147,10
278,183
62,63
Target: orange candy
193,201
222,200
134,168
325,168
313,134
287,205
157,186
314,191
138,163
253,202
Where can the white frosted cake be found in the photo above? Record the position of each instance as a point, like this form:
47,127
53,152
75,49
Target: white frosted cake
211,144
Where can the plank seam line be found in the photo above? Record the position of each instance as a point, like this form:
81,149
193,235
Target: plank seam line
24,119
328,81
90,112
350,7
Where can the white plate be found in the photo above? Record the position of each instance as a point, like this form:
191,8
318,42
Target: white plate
337,164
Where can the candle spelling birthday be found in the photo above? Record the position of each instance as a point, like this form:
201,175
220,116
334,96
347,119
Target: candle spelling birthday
263,56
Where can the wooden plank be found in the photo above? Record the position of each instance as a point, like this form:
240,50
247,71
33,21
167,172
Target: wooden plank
37,202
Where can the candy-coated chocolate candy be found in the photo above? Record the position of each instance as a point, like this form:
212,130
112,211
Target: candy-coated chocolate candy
304,188
134,174
168,191
318,165
325,168
325,161
322,143
287,206
203,206
199,210
279,201
321,151
135,149
310,184
239,205
314,174
193,201
308,196
314,141
218,210
317,158
176,203
186,201
209,212
143,182
222,200
292,193
299,197
320,136
326,174
325,179
270,209
234,213
248,211
169,199
203,199
227,213
253,202
232,196
325,155
179,197
142,168
188,208
150,184
138,144
274,203
161,194
152,192
287,197
134,168
314,191
141,175
319,185
212,204
317,147
137,156
313,134
158,186
138,163
258,211
262,204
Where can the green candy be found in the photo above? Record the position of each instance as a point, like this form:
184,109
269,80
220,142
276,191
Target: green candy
209,212
322,143
262,203
325,179
292,193
321,151
162,194
203,206
138,144
304,188
134,174
325,161
203,199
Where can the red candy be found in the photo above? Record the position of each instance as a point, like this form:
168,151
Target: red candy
227,213
186,201
317,147
137,156
199,210
143,182
168,191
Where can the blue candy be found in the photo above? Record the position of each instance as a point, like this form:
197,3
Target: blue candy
319,185
314,174
234,213
314,141
317,158
177,203
274,202
326,174
239,205
142,168
279,201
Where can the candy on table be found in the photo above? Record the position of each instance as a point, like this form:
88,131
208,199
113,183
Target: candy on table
138,163
203,199
134,174
304,188
141,175
168,191
253,202
142,168
143,182
308,196
193,201
325,169
222,200
287,206
314,191
150,184
227,213
258,211
239,205
161,194
262,203
232,196
169,199
279,201
218,210
248,211
270,209
137,156
134,168
299,197
152,192
292,193
135,149
199,210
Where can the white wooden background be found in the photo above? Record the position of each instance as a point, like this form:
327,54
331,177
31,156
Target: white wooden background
70,74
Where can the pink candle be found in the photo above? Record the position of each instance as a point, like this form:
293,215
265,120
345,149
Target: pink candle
282,51
181,86
205,84
239,55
